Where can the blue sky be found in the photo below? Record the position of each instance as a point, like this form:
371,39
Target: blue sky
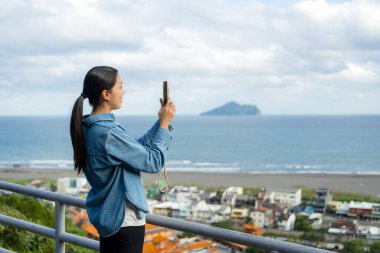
286,57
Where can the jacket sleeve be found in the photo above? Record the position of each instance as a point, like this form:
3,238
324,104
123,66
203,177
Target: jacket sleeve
121,148
148,138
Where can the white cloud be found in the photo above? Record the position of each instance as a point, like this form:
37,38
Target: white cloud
290,58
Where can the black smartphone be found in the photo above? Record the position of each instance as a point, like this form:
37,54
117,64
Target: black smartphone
166,91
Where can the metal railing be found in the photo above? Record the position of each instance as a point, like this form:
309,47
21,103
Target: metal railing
61,237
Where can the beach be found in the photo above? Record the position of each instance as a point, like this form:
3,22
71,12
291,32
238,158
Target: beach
362,184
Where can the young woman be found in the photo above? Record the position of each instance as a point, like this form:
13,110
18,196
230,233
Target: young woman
112,160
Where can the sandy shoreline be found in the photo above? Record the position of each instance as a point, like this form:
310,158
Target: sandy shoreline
364,184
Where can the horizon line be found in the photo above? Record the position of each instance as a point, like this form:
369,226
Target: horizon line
149,115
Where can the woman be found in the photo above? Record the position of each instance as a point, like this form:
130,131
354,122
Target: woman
112,160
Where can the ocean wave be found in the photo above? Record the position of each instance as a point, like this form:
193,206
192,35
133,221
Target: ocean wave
38,164
211,166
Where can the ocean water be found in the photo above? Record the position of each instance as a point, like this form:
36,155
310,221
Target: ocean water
263,144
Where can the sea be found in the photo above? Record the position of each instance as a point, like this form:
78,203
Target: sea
238,144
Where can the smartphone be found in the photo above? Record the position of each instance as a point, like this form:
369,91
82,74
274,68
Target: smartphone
166,91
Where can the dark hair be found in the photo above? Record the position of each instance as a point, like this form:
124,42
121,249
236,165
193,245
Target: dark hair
96,80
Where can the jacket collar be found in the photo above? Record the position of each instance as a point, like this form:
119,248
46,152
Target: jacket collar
89,119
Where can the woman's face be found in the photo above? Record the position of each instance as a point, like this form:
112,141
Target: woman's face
117,93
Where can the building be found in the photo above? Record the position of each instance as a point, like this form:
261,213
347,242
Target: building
260,197
165,208
322,197
229,195
287,223
239,214
244,201
262,217
343,209
184,195
181,211
40,184
359,210
284,197
72,186
332,206
369,232
214,197
344,227
315,220
208,213
375,214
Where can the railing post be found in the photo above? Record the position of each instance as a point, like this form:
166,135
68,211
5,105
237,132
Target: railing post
59,226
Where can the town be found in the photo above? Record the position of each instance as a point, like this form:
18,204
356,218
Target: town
283,214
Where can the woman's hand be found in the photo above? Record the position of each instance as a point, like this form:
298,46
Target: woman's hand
166,113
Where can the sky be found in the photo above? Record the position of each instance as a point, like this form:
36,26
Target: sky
286,57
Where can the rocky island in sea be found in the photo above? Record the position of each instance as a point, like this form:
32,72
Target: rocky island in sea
233,108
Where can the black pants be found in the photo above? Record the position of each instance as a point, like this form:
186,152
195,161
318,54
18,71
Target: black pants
126,240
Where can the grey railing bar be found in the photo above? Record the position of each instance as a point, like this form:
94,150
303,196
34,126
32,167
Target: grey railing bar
26,225
59,226
168,222
5,251
49,232
52,196
80,241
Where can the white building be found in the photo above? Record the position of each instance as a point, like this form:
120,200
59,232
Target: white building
165,208
72,186
370,232
239,214
343,209
287,224
209,213
184,195
228,195
316,220
284,197
262,217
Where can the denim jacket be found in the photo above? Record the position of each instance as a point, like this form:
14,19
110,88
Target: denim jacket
114,161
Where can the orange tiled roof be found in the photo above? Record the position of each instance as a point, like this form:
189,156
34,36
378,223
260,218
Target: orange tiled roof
240,246
194,246
89,228
80,216
252,229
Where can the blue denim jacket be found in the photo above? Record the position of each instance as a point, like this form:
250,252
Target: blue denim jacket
114,161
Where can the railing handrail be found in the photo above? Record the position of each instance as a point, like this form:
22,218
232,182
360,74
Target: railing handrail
159,220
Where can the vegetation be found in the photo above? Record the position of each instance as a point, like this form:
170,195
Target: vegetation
227,224
255,250
302,224
375,247
346,196
354,246
40,212
308,194
313,236
186,235
291,237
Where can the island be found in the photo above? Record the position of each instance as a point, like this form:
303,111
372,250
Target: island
233,108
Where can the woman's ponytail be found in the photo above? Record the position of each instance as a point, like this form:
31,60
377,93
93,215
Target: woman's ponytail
77,136
97,79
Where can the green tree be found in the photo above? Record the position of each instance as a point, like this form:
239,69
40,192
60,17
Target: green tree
313,236
255,250
30,209
223,224
20,240
354,246
301,224
375,247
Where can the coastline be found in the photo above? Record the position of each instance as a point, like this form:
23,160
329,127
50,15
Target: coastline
361,184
